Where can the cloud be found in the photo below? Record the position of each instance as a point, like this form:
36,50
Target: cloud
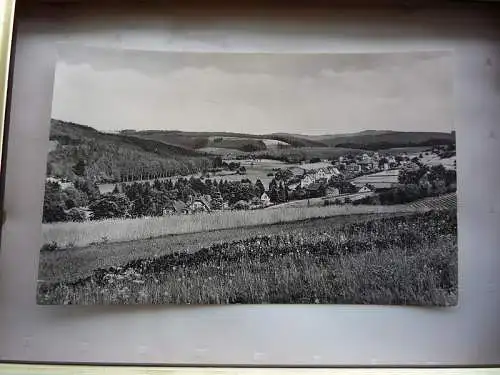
405,92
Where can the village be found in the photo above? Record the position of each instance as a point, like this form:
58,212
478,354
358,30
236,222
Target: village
346,179
260,184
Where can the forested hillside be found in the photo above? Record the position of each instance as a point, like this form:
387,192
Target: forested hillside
238,141
383,140
365,140
82,151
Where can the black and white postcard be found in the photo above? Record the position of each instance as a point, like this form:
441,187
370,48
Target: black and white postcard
250,178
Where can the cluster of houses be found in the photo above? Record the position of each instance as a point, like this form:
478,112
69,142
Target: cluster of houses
198,204
367,173
305,177
204,204
366,163
314,180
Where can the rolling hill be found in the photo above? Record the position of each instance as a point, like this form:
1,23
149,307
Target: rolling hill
129,154
239,141
365,140
116,157
376,140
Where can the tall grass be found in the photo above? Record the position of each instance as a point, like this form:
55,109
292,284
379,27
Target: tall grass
77,263
401,260
113,230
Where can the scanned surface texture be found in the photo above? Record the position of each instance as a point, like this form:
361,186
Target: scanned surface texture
216,178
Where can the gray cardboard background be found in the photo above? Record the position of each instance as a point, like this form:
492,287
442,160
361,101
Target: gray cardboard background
261,335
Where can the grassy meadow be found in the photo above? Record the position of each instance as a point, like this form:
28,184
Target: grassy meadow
76,234
408,258
79,262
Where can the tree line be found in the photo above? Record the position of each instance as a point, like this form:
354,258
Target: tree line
84,201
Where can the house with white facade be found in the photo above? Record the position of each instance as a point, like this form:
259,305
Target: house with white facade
264,199
335,171
306,181
365,189
199,205
321,173
63,184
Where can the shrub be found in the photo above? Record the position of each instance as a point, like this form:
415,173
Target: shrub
110,206
52,246
76,214
241,205
53,203
53,213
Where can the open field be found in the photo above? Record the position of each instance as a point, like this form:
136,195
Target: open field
447,201
409,150
310,152
262,163
255,169
75,263
433,159
253,174
380,180
274,142
223,152
70,234
403,259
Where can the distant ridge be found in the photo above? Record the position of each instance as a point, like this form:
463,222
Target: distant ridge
188,143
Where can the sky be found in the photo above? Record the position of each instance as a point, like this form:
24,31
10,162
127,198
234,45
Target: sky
115,89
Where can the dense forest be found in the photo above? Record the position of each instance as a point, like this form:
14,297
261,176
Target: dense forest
376,146
379,140
80,151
